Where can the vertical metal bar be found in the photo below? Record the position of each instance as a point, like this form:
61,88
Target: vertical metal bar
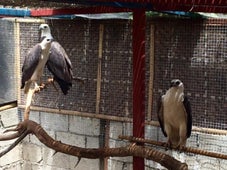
151,77
139,21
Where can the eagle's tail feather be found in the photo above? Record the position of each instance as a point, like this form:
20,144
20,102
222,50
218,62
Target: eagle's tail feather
65,86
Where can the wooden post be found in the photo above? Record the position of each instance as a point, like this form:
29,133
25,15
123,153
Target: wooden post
104,124
151,77
17,59
139,20
99,71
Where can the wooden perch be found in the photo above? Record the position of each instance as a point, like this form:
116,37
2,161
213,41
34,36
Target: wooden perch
184,149
30,127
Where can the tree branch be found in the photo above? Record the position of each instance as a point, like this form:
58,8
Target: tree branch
14,144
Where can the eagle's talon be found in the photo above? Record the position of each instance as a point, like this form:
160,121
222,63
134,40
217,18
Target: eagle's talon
168,145
37,89
180,148
42,86
50,80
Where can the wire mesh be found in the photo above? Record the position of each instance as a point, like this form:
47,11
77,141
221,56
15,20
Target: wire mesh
81,44
117,70
194,51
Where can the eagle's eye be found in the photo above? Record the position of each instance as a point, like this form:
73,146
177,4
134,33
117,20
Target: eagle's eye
178,82
45,27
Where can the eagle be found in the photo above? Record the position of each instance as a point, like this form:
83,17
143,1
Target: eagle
34,63
58,62
174,115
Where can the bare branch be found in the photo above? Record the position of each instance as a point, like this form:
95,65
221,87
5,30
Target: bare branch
21,137
4,137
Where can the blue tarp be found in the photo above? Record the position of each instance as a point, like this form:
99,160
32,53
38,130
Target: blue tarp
124,15
15,12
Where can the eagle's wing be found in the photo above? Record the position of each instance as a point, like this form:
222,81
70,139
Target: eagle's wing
160,115
187,107
60,66
30,63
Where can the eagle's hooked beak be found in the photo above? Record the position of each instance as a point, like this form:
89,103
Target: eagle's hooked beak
40,27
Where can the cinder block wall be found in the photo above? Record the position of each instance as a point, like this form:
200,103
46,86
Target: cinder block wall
13,159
